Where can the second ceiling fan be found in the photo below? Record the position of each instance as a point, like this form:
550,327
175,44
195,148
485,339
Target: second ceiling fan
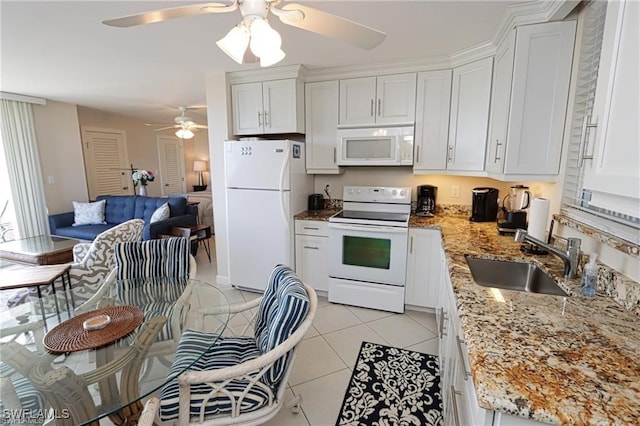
254,30
185,125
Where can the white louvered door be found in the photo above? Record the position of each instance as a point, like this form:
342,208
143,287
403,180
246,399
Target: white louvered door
106,162
171,159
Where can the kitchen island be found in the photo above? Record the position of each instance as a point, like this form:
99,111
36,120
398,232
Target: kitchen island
535,355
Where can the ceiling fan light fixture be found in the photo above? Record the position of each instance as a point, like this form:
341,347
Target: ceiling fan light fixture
184,134
235,43
272,58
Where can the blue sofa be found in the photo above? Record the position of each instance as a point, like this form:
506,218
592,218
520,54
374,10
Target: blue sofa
119,209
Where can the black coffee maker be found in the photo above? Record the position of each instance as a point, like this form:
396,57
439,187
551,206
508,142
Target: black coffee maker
426,205
484,206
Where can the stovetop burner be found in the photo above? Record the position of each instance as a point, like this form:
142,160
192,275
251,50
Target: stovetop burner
384,216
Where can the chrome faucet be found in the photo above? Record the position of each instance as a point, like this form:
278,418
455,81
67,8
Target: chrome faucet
570,257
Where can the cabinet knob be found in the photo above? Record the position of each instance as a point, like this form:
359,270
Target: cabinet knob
379,107
259,119
372,107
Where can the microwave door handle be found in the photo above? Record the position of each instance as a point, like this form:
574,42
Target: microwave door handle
369,228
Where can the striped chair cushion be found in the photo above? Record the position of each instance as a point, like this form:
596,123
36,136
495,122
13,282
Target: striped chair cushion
30,398
154,297
167,257
228,351
282,310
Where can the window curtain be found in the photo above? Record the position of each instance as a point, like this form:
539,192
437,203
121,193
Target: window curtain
23,165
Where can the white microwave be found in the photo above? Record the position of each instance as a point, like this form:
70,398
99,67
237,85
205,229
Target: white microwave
375,146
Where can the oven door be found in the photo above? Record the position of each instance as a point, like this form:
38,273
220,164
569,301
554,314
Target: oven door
376,254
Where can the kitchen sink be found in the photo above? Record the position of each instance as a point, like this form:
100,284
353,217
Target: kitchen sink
511,275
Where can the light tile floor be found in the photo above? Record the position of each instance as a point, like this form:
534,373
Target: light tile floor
328,353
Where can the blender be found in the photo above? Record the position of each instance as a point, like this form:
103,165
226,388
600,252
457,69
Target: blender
514,215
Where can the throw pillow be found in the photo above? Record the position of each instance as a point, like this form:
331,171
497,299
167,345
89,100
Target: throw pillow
161,213
89,213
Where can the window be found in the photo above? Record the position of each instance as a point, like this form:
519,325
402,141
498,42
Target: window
578,201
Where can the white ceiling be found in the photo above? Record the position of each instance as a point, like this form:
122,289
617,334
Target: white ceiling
60,50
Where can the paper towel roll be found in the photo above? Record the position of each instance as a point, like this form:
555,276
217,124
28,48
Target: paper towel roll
538,214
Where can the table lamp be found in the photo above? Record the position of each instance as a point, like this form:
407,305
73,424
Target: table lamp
200,166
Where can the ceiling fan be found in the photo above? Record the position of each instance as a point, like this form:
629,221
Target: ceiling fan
254,30
185,125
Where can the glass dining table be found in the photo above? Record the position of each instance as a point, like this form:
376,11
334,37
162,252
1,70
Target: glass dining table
105,361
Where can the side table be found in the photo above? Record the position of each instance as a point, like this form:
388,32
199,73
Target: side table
38,276
197,233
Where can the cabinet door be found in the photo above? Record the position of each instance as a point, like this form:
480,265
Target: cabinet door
541,73
432,120
357,101
311,261
502,77
246,101
321,100
470,97
281,106
613,174
423,268
396,99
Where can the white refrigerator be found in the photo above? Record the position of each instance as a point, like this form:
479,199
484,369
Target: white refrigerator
266,185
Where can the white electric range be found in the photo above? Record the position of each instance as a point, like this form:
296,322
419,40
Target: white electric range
368,247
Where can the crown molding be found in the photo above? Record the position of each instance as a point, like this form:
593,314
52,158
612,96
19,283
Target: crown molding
264,74
475,53
367,70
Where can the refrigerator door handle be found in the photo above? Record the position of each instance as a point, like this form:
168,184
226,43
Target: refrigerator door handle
283,170
285,166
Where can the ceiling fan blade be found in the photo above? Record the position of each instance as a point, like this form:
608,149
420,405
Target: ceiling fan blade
198,126
175,126
170,13
329,25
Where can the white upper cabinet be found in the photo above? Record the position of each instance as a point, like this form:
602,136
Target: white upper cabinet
531,89
388,99
502,76
470,101
321,119
269,107
613,175
433,100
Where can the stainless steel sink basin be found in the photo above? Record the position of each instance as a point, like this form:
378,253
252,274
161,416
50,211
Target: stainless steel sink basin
511,275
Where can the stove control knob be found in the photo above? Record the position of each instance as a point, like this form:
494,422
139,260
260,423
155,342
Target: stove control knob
402,192
394,192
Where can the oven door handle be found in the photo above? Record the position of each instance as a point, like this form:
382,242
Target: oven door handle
369,228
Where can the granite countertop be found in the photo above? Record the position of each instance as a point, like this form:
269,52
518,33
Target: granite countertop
534,355
322,215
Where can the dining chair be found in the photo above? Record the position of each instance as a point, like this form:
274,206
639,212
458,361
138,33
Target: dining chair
150,412
242,379
92,263
16,391
137,265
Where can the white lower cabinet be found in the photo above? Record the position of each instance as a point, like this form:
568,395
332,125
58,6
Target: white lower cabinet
423,268
459,399
312,266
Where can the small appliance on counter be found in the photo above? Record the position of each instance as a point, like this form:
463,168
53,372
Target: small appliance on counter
484,204
426,205
514,215
316,202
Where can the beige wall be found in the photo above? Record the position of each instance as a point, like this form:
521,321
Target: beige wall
403,176
60,149
142,147
219,120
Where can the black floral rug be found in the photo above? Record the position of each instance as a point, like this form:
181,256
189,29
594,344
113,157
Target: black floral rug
392,386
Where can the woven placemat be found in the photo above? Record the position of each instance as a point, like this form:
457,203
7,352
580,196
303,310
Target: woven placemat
70,335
